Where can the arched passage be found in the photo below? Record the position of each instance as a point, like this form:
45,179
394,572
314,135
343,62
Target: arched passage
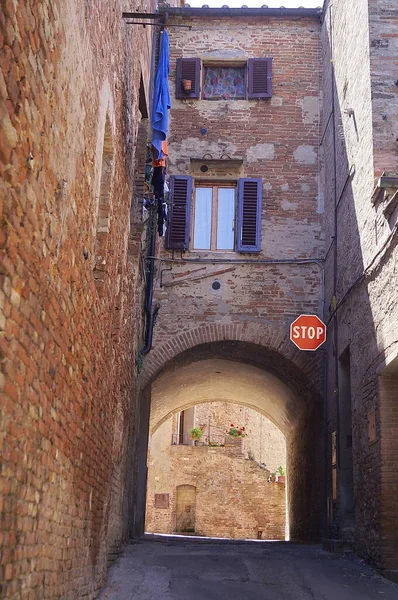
239,494
267,381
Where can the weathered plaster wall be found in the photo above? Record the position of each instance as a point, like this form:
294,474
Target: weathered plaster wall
68,338
233,497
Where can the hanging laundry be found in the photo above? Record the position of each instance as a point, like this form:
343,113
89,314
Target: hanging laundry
162,217
158,181
161,99
160,162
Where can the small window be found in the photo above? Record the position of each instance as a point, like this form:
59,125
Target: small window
224,83
251,79
214,217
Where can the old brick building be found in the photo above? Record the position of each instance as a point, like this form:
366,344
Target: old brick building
229,283
282,170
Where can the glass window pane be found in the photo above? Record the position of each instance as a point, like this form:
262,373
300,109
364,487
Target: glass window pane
202,227
224,83
226,219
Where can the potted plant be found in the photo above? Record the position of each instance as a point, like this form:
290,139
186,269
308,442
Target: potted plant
196,434
187,85
281,474
236,432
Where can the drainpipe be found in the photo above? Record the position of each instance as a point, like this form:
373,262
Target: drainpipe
335,254
150,312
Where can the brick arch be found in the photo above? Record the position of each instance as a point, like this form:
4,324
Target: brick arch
263,347
271,337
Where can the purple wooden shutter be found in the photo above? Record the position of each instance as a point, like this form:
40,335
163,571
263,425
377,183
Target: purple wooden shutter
249,215
259,77
179,217
188,68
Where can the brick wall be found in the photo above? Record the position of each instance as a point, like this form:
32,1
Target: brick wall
383,51
67,342
228,494
277,140
389,447
362,251
264,442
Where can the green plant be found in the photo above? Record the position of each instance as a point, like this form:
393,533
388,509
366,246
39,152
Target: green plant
281,471
196,433
236,431
250,454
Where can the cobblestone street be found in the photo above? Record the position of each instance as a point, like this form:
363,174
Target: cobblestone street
189,570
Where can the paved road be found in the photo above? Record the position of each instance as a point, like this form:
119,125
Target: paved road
187,570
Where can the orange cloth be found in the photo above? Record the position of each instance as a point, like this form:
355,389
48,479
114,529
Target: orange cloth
161,162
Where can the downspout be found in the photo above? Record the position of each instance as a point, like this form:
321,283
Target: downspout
335,254
150,312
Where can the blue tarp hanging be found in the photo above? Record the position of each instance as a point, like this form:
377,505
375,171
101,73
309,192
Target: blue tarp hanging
161,97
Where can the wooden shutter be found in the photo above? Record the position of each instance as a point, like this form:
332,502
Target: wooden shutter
259,78
179,215
249,215
188,68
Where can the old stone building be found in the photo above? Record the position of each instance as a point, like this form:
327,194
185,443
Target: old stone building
219,486
281,192
359,148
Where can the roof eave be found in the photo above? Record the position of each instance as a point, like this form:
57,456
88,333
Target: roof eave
189,11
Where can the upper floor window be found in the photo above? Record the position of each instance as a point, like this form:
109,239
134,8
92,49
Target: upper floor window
224,83
213,81
214,218
224,217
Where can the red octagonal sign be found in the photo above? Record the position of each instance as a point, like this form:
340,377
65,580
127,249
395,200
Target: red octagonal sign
308,332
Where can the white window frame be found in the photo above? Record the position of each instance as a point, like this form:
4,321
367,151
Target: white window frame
215,185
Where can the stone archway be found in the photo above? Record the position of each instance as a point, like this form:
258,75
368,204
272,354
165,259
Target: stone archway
267,338
285,388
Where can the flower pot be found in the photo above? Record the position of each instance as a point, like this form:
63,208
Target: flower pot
187,85
281,479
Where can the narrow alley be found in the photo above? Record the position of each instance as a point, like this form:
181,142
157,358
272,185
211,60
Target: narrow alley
191,570
198,300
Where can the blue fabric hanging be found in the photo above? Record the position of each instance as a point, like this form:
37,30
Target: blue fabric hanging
161,98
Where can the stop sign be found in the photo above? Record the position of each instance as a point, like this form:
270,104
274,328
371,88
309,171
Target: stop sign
308,332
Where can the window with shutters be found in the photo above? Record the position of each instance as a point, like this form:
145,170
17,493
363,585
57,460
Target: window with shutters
224,81
225,216
214,217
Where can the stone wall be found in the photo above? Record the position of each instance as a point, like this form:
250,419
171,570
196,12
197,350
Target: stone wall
264,442
69,118
232,495
358,141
